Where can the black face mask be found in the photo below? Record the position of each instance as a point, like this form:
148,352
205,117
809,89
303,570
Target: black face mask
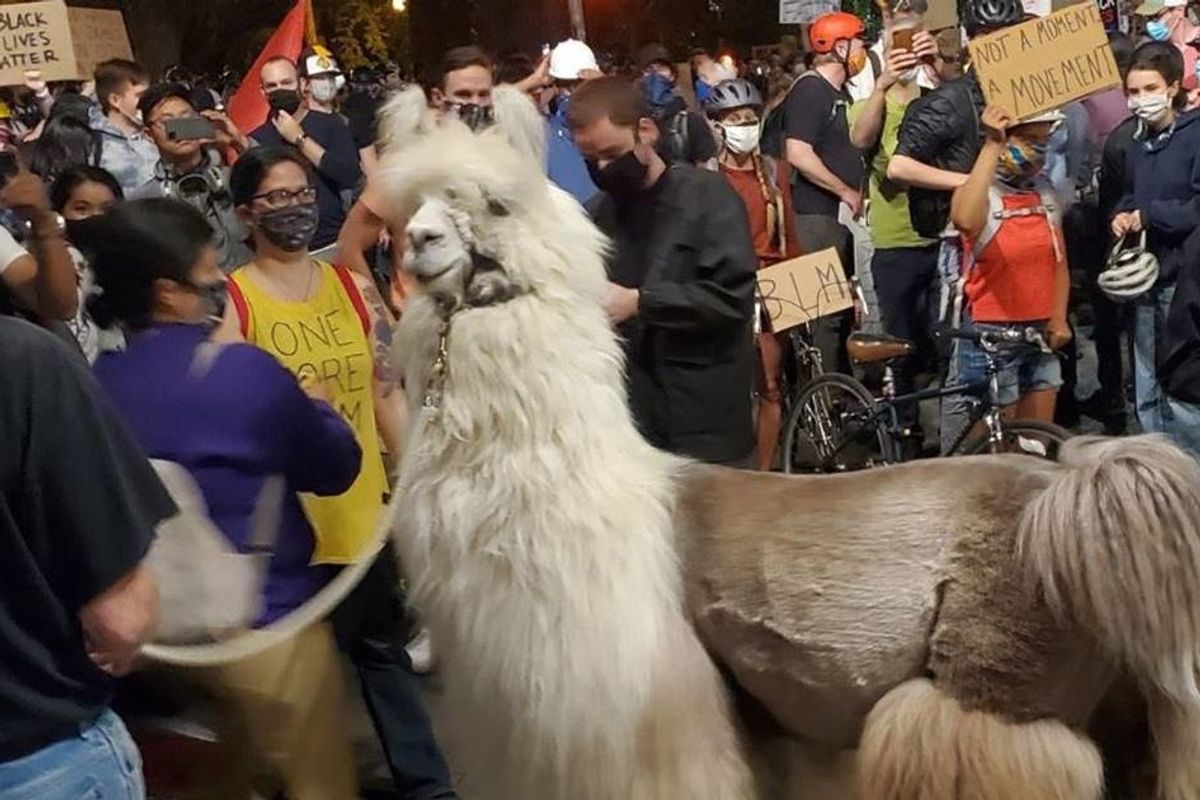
284,100
216,295
475,117
623,177
290,229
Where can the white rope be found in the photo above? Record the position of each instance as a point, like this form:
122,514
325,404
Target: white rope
253,642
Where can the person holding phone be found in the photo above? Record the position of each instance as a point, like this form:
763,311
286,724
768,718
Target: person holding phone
38,278
191,168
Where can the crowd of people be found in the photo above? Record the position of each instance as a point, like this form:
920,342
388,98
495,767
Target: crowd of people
174,288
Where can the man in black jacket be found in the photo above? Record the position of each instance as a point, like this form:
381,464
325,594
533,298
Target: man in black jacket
682,290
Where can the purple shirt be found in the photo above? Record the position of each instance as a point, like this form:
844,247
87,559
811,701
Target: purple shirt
233,425
1106,110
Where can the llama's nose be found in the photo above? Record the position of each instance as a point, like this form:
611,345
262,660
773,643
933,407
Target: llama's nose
420,236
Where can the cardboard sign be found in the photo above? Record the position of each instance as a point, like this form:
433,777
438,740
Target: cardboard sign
940,15
99,34
799,12
1109,15
36,36
804,289
1045,63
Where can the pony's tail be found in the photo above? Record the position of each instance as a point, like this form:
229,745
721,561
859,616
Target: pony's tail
1114,542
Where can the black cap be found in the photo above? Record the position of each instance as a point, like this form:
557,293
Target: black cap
160,92
652,54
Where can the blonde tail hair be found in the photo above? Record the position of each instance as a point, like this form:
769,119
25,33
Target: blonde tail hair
1114,542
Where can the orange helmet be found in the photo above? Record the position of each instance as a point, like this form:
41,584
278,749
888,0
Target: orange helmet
829,29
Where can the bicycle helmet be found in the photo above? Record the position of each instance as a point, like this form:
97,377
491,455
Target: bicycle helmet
652,54
989,15
730,94
1130,272
829,29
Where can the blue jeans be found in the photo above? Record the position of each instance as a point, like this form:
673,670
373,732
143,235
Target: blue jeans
1021,372
101,763
1157,412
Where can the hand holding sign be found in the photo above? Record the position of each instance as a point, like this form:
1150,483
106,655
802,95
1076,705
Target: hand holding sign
996,122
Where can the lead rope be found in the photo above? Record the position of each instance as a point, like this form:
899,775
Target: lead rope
435,389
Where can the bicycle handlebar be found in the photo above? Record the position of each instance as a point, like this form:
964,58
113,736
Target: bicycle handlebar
993,340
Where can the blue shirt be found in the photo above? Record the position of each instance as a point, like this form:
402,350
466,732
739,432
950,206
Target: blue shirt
233,425
565,167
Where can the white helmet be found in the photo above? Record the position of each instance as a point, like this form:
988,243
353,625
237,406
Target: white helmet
1130,272
571,58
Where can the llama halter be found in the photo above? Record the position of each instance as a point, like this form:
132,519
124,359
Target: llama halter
439,372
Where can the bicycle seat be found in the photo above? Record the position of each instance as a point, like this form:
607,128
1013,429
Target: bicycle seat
870,348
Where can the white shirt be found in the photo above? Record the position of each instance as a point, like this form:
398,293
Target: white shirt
10,251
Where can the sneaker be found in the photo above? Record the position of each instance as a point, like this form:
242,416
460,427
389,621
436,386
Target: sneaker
420,653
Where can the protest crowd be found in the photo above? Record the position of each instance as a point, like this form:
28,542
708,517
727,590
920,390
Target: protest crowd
176,288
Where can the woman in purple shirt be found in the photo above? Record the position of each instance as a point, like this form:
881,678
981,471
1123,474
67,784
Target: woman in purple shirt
233,417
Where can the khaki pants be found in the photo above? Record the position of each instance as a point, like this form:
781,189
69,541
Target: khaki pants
285,709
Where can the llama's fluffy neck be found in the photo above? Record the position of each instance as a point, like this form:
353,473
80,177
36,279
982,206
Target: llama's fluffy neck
537,524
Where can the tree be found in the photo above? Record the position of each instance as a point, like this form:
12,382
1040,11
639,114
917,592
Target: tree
358,36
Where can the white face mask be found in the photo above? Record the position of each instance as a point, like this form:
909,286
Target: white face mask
1151,107
742,139
323,89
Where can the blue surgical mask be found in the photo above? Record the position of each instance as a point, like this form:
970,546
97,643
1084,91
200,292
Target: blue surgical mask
1158,30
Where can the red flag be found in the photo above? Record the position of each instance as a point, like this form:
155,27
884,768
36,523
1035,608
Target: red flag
248,107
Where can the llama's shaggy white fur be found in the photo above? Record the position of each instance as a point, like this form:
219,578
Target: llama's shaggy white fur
526,573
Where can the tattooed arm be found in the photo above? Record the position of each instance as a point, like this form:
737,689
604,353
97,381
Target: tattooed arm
391,409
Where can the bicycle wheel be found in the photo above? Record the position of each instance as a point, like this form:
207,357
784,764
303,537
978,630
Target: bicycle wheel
1030,437
834,426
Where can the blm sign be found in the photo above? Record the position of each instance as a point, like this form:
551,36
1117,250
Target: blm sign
36,36
1044,63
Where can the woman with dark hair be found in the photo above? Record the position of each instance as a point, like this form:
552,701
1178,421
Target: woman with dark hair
326,323
1162,199
78,194
65,142
233,417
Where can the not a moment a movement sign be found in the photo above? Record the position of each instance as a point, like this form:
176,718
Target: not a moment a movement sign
1044,63
36,36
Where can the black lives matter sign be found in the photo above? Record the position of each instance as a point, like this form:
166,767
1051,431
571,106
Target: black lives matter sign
1045,63
36,36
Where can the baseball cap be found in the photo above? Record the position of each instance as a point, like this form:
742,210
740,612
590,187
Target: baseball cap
570,58
319,61
1152,8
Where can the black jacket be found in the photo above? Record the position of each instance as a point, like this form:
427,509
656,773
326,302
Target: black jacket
690,349
941,129
1162,181
1178,350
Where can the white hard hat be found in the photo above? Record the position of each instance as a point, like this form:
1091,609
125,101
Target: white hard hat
571,58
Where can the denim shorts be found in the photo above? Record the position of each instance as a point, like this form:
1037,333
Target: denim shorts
1022,370
100,763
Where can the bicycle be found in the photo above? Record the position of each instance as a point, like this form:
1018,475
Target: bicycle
836,425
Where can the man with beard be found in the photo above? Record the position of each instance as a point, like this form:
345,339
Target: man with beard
303,117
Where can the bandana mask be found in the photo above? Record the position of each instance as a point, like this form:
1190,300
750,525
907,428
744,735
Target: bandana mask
1020,163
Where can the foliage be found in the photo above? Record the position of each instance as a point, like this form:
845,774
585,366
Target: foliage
357,36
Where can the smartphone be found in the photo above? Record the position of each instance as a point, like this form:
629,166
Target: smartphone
189,129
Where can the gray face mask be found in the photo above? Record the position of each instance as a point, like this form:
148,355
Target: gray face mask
290,229
324,90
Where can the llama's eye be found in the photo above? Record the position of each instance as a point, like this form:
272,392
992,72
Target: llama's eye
496,208
451,195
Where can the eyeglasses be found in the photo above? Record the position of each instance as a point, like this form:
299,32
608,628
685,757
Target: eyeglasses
282,198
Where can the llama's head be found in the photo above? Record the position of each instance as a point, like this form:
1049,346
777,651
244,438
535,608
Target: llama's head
483,224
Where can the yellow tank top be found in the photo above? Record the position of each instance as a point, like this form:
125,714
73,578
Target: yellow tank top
324,338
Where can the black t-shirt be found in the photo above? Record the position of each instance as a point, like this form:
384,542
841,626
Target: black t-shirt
338,174
78,506
815,112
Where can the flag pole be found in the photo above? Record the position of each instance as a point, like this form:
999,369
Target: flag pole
310,24
577,22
